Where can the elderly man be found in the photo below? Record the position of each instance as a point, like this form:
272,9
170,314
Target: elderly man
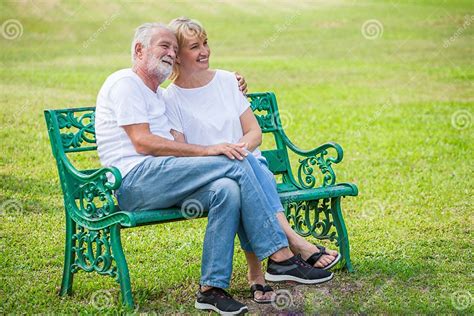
133,134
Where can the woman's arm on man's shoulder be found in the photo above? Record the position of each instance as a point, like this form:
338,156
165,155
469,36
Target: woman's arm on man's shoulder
242,83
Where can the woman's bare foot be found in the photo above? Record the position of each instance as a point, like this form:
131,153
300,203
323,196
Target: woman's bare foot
299,245
306,249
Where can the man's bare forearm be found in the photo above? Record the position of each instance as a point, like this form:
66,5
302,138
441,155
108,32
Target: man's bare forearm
159,146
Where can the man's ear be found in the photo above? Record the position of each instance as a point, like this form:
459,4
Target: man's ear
176,60
139,51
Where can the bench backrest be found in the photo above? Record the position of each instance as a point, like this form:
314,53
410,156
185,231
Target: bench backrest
72,130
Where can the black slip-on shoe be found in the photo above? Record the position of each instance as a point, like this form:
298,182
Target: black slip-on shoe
220,301
297,270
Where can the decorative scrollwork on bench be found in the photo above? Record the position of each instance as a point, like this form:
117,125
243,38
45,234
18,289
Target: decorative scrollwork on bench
96,198
93,252
311,218
261,105
306,176
260,102
80,128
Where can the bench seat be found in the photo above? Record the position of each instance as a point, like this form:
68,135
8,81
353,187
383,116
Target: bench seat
341,189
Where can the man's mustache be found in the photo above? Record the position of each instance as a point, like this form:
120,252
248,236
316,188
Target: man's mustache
168,60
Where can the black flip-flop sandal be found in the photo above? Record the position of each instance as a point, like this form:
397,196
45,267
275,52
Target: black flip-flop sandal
317,255
263,289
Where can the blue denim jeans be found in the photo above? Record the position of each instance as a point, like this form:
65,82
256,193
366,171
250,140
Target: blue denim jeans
267,182
228,189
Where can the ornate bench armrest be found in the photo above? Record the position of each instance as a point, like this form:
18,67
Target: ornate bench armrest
94,191
317,156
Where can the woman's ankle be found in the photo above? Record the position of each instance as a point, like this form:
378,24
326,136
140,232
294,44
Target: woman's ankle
298,245
282,255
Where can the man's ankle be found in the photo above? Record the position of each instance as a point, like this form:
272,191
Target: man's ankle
256,279
204,288
282,255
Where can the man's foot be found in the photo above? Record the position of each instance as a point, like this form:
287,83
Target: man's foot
326,261
297,270
261,293
220,301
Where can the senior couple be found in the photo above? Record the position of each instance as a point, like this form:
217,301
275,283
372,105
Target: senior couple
198,140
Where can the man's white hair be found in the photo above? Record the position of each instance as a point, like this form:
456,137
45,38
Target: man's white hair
143,35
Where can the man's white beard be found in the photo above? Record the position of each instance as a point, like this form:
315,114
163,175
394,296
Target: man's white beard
158,68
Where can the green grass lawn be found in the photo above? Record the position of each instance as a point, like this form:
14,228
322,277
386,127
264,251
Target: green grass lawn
398,97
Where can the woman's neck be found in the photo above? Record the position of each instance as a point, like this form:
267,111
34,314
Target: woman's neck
197,79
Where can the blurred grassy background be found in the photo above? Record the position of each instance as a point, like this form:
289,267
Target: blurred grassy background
397,95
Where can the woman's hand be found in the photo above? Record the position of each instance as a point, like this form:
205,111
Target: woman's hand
232,151
242,83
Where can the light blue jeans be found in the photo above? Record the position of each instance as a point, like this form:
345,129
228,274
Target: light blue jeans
267,182
228,189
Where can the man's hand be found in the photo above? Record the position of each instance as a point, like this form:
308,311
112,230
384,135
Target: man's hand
242,83
232,151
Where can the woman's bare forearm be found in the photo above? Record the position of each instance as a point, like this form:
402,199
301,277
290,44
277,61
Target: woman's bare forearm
253,139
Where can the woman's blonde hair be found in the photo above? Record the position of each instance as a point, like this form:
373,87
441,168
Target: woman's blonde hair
185,28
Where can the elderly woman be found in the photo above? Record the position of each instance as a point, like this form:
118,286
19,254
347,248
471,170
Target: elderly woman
206,107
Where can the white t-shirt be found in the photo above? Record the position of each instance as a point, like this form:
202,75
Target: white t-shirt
208,115
124,99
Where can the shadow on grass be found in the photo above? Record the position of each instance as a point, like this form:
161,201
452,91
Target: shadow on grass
21,195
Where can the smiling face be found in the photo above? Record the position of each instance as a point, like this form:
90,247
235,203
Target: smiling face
158,58
194,54
194,51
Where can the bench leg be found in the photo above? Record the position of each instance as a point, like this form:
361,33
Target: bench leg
342,236
122,268
66,284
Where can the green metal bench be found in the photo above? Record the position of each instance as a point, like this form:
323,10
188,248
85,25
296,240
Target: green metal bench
311,197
